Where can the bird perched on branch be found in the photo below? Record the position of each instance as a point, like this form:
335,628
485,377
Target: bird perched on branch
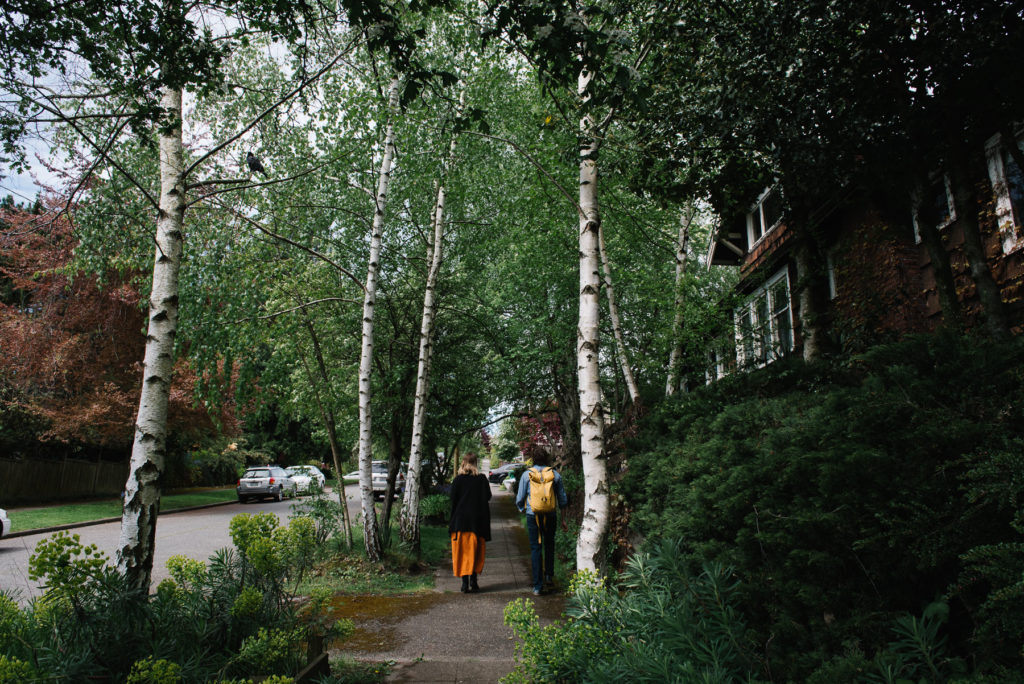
254,164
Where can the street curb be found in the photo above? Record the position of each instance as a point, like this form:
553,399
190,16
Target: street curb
89,523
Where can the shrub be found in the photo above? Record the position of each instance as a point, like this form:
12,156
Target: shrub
436,508
324,511
149,671
202,623
658,623
846,496
270,651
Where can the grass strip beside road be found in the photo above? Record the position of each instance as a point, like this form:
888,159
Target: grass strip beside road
66,514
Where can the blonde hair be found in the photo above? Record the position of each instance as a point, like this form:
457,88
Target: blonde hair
468,466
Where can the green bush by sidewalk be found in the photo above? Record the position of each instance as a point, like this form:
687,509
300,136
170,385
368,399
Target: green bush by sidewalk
846,496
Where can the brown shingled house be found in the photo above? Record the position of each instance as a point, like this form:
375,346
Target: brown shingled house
880,280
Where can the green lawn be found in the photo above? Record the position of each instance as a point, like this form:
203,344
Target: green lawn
51,516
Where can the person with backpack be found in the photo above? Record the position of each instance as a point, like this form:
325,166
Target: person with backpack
540,494
470,525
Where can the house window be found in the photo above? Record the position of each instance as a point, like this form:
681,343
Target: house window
940,198
1008,186
716,365
764,324
938,195
765,215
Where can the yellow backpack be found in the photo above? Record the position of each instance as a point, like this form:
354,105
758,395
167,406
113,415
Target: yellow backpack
542,490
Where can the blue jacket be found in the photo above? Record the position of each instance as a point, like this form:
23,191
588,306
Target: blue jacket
523,493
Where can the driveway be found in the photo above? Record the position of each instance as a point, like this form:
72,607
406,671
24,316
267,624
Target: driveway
196,534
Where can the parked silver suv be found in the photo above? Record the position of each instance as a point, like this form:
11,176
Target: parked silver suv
380,480
262,481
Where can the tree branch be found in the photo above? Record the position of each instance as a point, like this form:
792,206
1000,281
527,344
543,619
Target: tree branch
295,308
293,243
514,145
265,113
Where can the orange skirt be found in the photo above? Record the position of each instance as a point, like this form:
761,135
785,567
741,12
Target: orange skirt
467,554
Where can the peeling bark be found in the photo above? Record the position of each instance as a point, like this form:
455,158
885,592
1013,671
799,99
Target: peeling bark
590,544
675,357
136,545
371,529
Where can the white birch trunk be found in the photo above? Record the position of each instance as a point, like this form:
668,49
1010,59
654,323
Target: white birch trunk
371,530
142,491
409,527
590,544
613,312
675,357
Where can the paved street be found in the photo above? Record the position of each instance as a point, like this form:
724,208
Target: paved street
196,534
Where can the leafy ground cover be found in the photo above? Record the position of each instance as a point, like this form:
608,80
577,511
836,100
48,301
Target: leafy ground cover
249,611
66,514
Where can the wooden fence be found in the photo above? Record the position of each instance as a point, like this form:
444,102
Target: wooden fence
30,481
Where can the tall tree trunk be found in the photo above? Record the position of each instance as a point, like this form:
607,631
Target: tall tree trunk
596,504
927,228
613,313
330,424
965,199
142,491
675,357
395,441
410,518
566,389
811,288
371,530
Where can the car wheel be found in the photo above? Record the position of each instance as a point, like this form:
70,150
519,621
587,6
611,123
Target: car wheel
242,499
277,495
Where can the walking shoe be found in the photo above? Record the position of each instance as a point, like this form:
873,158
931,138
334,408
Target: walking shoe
537,592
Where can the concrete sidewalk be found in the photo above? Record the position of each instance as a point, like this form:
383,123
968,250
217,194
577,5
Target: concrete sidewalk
448,636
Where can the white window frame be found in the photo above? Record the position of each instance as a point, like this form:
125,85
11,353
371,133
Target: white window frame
761,356
716,366
1009,225
756,216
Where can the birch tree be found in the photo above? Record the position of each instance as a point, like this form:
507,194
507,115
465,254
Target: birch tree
140,56
590,45
371,530
590,544
410,527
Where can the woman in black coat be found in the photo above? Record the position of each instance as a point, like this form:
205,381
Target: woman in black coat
470,525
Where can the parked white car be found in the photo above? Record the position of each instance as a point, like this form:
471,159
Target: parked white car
304,477
5,523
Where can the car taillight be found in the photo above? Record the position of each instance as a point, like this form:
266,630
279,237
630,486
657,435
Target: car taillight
238,484
271,480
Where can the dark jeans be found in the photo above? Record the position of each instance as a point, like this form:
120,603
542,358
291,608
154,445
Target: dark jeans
541,529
